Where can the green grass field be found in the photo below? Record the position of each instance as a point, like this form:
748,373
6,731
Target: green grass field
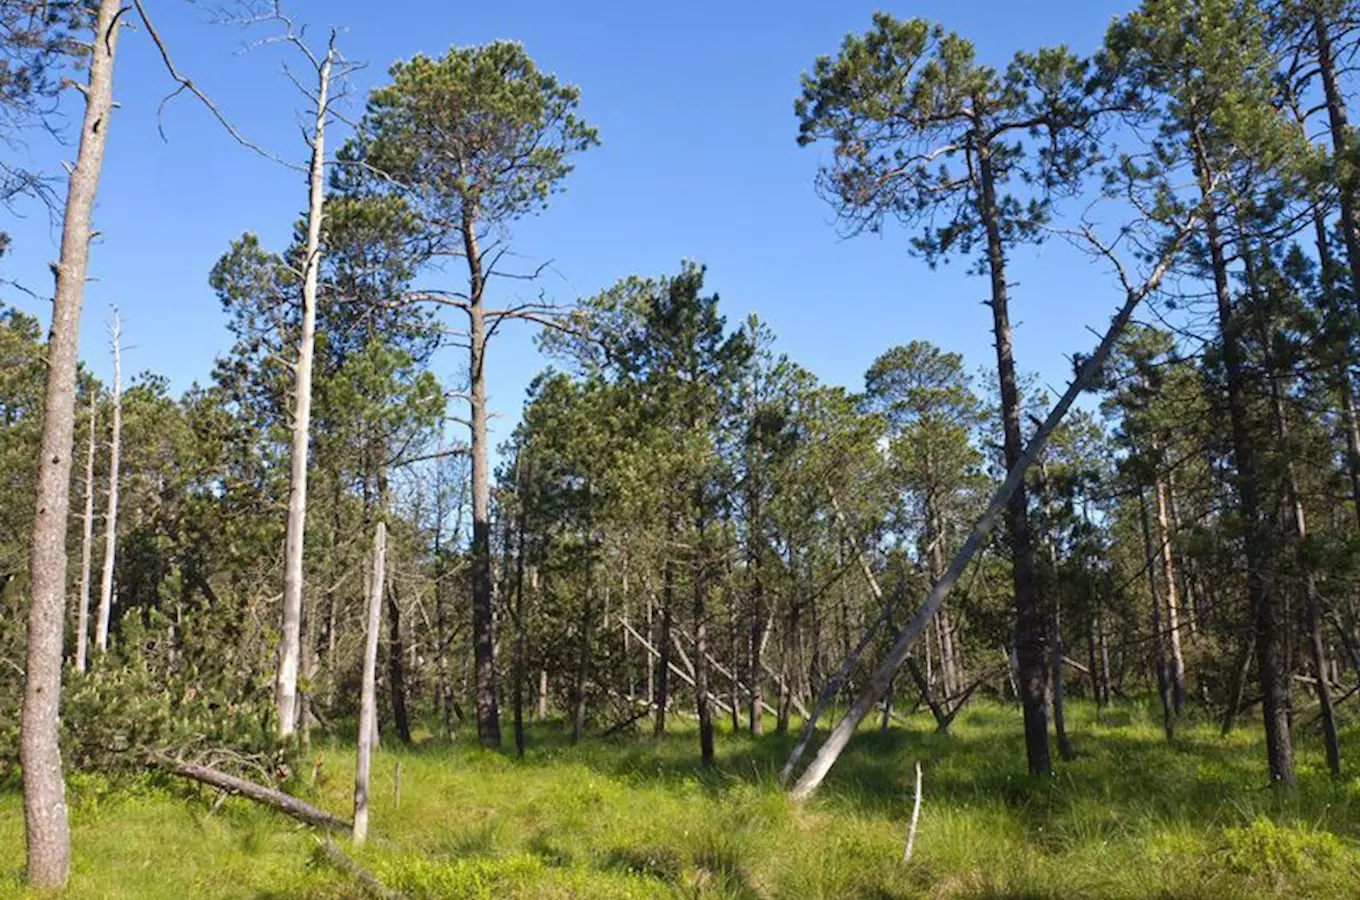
1131,817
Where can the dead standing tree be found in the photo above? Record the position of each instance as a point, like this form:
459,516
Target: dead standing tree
328,69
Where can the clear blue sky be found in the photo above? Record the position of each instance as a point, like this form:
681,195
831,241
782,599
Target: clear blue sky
693,102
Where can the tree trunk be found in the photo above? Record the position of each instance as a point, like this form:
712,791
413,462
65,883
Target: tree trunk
1029,628
663,662
1342,144
86,544
1161,493
578,719
101,627
878,682
1312,598
1158,637
483,638
1269,628
290,639
519,606
46,830
396,667
702,701
368,701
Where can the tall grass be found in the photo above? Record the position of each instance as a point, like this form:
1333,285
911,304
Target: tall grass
632,817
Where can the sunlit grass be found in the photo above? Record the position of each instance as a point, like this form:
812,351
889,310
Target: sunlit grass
1131,817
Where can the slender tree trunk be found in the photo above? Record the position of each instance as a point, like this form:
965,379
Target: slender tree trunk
521,518
86,543
1029,629
396,667
290,640
542,711
701,698
1173,623
1313,600
663,662
483,637
1342,144
1158,637
1270,630
578,720
101,628
46,830
368,700
878,682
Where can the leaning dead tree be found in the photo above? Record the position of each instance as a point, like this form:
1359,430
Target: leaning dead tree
46,829
877,685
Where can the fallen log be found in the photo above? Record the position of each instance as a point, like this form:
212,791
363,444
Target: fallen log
284,803
372,886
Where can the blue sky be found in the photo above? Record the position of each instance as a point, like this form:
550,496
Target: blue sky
693,102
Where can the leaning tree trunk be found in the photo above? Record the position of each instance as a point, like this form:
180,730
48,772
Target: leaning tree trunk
86,544
46,830
101,627
368,701
878,682
290,649
1029,627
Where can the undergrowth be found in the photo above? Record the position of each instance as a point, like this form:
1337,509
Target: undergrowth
1132,816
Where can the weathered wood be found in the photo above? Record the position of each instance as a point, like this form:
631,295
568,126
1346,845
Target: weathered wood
372,886
368,704
716,701
831,749
915,817
275,799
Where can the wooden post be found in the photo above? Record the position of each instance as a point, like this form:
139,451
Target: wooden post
367,696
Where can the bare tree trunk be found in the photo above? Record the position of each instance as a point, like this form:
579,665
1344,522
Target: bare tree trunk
368,701
46,831
290,639
1029,628
521,480
542,711
1173,622
86,543
101,627
840,735
1158,638
483,637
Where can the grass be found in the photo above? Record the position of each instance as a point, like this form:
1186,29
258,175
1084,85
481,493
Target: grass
1131,817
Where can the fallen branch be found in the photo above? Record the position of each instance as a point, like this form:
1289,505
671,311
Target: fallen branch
284,803
915,816
372,886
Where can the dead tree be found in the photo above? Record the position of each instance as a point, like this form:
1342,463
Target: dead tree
86,542
830,751
101,628
368,702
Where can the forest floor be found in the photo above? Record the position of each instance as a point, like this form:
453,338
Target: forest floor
1131,816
